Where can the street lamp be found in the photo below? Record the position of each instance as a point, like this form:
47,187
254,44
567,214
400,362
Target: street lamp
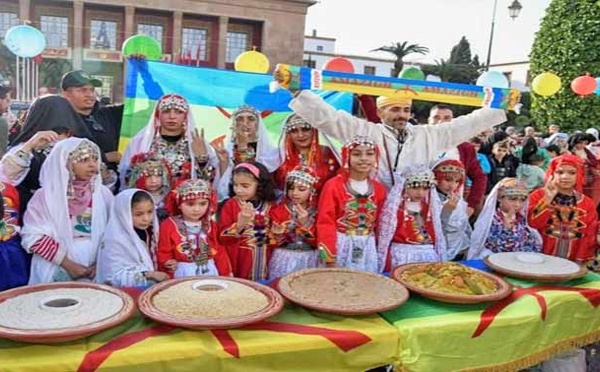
513,11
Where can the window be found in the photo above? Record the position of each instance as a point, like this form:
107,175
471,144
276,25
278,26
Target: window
237,43
193,43
319,48
7,20
103,34
107,85
155,31
369,70
56,30
310,63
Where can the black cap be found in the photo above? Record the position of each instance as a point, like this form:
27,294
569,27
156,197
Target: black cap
78,78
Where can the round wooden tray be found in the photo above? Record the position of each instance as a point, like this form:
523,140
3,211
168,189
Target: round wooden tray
51,336
353,307
519,270
504,288
147,307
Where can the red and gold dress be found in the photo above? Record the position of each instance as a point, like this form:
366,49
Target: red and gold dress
296,248
346,224
14,261
568,224
196,250
249,250
325,165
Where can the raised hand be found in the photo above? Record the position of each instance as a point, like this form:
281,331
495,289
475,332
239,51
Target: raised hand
40,140
198,145
550,190
451,203
302,214
246,215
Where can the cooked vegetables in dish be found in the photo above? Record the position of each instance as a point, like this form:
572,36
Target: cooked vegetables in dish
449,277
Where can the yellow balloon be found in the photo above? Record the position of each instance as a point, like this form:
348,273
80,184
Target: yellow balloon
546,84
252,61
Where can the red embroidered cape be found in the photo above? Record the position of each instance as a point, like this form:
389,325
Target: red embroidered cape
170,244
341,211
282,215
247,260
580,227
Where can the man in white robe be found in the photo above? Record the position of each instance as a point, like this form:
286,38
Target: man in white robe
400,143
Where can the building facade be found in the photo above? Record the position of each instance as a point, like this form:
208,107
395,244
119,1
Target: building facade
89,34
318,50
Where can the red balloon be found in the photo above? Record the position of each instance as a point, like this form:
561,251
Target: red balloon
584,85
339,64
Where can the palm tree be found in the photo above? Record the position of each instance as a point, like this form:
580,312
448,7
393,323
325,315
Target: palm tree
401,50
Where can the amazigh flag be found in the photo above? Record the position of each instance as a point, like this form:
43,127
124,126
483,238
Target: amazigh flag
294,340
536,322
212,93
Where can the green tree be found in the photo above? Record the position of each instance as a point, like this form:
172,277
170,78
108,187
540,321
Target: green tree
401,50
52,70
7,65
461,52
568,44
459,68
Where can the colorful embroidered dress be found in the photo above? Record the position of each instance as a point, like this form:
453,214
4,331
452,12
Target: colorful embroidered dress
249,249
516,239
14,261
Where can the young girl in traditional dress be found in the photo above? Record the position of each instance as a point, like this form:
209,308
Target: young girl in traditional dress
14,261
293,225
127,257
450,180
148,172
66,218
502,223
188,244
349,208
562,214
244,222
411,228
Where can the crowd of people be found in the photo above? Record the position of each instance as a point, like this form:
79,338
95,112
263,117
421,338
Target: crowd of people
396,193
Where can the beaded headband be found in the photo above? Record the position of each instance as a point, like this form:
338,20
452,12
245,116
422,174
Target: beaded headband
245,109
513,188
419,177
84,151
359,140
450,167
295,121
148,164
302,175
173,101
193,189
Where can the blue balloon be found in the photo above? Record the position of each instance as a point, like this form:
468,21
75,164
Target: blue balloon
25,41
597,92
494,79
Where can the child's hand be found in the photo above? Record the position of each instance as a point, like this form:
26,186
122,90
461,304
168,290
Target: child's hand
302,214
157,276
171,265
451,203
277,229
550,190
246,216
75,270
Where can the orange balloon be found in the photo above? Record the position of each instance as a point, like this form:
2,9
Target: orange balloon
339,64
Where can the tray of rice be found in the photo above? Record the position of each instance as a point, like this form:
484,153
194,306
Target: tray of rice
533,266
451,282
61,312
215,302
342,291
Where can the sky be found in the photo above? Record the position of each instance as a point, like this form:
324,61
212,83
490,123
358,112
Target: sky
363,25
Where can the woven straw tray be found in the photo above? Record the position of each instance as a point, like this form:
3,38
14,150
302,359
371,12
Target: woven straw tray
50,336
536,267
342,291
216,283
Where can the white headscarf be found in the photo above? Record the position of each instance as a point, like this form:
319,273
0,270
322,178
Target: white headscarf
48,211
266,152
481,230
142,142
389,215
122,249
